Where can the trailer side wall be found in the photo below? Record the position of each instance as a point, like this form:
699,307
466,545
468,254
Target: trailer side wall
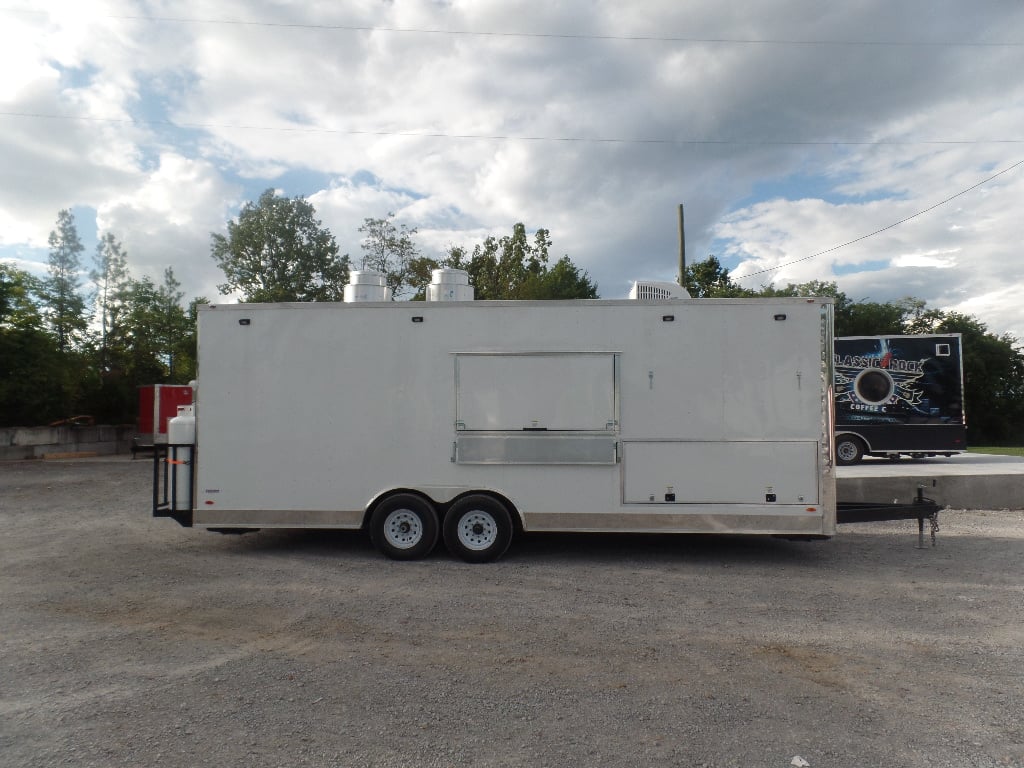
689,416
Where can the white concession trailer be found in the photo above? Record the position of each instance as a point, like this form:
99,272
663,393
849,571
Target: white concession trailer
468,421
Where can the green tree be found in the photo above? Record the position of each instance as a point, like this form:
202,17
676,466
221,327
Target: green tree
9,285
389,249
517,267
154,344
708,279
868,318
171,324
113,284
159,326
31,368
65,307
852,318
278,250
420,269
918,317
500,267
185,346
562,281
811,288
19,291
66,314
993,380
144,359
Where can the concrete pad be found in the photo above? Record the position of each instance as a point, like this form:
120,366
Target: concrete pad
966,481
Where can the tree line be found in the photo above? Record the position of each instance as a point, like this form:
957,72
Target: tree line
71,347
66,351
277,250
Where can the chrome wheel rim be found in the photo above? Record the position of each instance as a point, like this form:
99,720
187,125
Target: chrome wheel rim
847,451
477,530
403,529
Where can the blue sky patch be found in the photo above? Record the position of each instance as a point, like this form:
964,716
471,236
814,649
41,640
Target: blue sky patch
801,186
74,78
295,182
864,266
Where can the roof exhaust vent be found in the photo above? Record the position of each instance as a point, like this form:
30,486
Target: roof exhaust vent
449,285
366,285
654,290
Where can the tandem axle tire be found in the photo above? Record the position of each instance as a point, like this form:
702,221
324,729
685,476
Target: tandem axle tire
404,527
478,529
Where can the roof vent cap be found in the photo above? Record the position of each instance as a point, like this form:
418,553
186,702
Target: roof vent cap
366,285
449,284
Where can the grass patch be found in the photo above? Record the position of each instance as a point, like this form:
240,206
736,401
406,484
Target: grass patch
998,450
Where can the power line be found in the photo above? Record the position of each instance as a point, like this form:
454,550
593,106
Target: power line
547,35
886,228
508,137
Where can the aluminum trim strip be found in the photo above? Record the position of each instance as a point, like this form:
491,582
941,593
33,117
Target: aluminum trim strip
277,518
756,522
546,448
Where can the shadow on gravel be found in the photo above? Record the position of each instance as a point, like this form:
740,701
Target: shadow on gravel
852,549
666,548
537,548
295,541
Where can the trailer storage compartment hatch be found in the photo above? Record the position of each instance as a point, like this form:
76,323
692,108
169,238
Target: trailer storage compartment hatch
730,472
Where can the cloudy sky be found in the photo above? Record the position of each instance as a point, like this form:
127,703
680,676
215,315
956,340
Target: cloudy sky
876,143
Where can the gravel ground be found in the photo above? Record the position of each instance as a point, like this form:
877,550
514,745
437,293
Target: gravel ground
127,640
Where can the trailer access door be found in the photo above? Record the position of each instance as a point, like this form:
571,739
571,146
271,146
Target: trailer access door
732,472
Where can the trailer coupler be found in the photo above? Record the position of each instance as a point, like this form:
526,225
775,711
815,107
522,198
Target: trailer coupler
919,509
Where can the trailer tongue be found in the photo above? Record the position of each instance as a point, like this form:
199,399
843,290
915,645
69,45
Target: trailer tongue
920,509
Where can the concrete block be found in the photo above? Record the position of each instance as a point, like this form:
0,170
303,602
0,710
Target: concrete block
37,435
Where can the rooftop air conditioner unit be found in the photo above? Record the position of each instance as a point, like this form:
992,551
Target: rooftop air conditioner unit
653,290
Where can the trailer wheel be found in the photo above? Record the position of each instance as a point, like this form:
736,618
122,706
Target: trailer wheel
849,449
478,529
404,527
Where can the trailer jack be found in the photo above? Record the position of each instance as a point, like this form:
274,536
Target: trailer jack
919,509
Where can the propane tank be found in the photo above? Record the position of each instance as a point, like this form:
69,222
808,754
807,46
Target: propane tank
181,439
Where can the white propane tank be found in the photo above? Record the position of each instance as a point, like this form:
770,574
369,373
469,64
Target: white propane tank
366,285
449,284
181,438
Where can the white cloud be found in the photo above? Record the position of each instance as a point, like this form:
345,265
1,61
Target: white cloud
936,259
295,96
965,247
166,220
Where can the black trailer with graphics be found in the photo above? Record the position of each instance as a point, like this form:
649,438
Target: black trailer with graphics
898,396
